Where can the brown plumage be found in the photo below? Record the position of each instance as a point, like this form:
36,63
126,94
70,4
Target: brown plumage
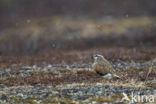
102,66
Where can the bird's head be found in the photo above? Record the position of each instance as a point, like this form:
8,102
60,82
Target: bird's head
97,57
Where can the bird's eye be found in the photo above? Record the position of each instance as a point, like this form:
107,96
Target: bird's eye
95,55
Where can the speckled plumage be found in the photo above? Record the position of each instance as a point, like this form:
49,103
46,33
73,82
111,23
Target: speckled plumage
102,66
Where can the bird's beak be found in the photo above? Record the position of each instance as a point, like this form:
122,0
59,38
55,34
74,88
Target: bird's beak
92,57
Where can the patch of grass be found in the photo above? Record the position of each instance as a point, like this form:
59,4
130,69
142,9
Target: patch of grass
139,74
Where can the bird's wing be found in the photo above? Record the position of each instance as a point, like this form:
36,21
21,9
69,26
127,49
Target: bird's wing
108,67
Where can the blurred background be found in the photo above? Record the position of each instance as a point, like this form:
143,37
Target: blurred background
30,27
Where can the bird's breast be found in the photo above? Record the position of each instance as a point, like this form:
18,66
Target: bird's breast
98,68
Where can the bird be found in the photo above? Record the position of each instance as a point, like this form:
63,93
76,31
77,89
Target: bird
102,67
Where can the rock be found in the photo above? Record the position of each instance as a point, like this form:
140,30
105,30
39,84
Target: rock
3,96
20,94
26,68
108,76
2,93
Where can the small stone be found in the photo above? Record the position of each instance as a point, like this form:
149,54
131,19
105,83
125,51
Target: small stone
49,66
56,72
2,93
26,68
108,76
21,75
94,102
20,94
62,103
3,97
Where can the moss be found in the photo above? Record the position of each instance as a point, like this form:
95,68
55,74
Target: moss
117,96
66,101
153,86
30,100
102,99
3,66
15,98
